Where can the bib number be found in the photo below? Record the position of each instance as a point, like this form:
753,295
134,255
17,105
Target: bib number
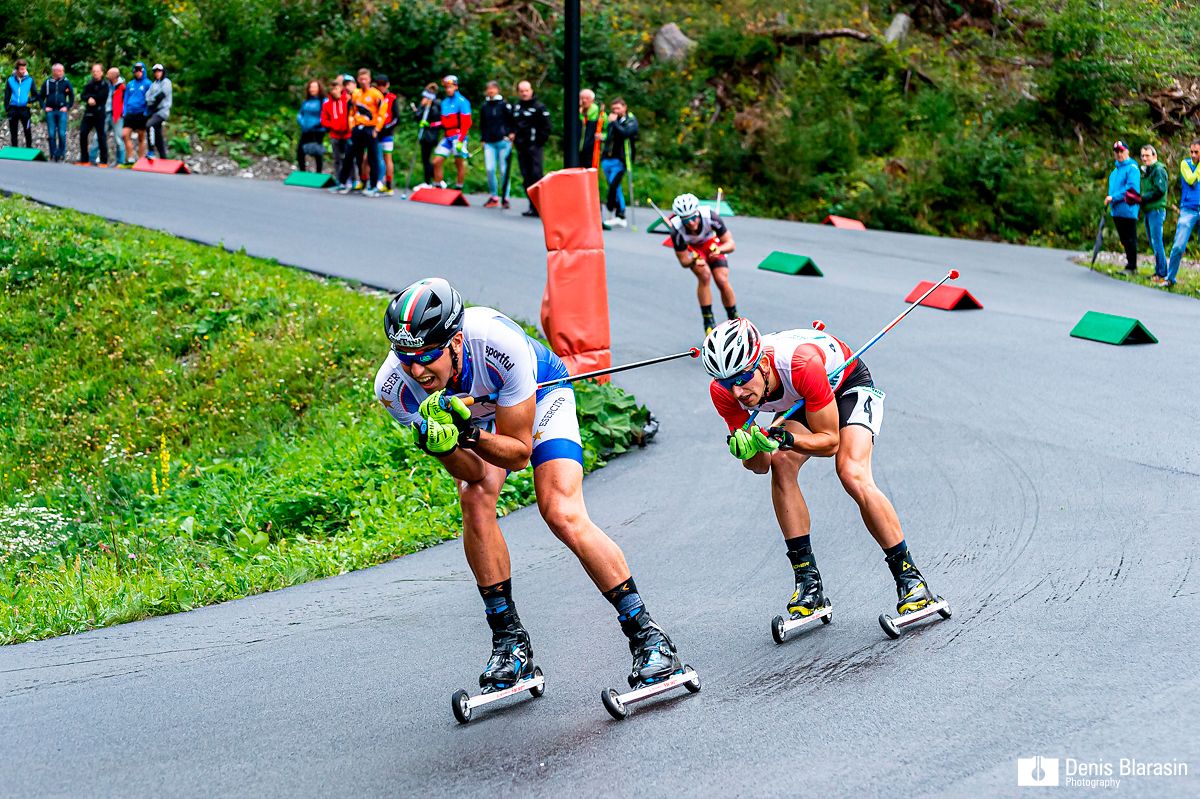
868,408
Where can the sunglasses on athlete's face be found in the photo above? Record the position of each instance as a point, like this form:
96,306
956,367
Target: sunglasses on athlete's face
729,383
424,358
687,220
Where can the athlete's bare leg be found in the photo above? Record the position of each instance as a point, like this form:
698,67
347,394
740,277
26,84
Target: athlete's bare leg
460,164
437,168
559,487
854,470
487,553
721,278
704,282
790,508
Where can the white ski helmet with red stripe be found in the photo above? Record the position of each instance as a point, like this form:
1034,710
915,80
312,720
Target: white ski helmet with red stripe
733,348
426,314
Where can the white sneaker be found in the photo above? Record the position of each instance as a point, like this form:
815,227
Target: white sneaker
420,186
441,184
617,221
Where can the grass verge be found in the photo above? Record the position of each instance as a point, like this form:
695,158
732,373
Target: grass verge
180,425
1187,281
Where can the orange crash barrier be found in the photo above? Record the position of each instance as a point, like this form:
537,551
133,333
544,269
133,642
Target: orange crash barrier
575,304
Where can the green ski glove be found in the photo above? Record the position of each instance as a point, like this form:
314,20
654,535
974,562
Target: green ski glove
447,410
745,444
436,438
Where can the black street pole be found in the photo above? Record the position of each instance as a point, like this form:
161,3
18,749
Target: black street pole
571,83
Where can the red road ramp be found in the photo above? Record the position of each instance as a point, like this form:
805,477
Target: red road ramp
844,222
435,196
947,298
575,304
165,166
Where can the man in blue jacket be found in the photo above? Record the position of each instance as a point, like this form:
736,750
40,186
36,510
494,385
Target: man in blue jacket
1124,194
1189,210
135,113
18,96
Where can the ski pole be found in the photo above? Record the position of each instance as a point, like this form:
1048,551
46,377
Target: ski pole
694,352
720,192
661,215
951,275
632,201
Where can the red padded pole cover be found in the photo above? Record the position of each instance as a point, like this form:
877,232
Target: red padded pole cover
575,303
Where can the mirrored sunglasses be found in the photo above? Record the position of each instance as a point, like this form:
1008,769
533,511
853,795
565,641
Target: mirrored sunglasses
424,358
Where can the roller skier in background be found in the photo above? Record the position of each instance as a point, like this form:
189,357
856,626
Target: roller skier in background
701,241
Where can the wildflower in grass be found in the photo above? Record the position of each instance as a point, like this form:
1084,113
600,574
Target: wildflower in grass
26,530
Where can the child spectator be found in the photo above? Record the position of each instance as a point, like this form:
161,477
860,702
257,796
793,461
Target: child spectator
95,100
429,125
158,106
57,97
335,118
312,135
19,96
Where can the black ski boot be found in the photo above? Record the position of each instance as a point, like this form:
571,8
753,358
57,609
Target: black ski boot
512,653
654,657
911,591
809,596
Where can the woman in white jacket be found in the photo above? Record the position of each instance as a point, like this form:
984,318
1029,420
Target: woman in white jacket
158,104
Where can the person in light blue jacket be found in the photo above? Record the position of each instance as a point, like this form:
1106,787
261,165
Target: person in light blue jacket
1124,195
312,134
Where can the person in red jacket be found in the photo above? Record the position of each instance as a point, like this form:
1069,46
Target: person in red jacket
335,118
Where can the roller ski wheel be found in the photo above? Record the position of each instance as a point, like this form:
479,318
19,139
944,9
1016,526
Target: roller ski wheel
782,626
617,704
895,626
463,705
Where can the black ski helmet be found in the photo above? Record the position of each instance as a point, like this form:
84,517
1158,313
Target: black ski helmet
426,314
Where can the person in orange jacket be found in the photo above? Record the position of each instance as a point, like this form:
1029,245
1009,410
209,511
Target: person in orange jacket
367,116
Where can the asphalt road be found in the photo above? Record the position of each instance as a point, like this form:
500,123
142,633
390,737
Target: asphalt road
1047,486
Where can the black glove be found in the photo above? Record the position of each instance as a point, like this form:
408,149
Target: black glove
785,439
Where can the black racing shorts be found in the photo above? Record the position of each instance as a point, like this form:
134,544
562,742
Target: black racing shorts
135,121
859,377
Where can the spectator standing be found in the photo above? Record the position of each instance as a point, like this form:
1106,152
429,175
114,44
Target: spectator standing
429,129
135,113
495,127
1124,193
367,116
589,126
531,130
616,157
312,134
57,97
1189,211
387,134
19,97
114,111
95,101
158,106
349,86
1154,206
335,118
456,123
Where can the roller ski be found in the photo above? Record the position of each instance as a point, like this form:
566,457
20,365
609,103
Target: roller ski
808,602
656,667
509,671
915,602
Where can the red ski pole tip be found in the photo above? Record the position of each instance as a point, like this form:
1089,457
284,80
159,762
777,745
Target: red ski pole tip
694,352
954,274
818,324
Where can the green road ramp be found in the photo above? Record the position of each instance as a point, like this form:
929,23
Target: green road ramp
1111,329
790,264
309,180
22,154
